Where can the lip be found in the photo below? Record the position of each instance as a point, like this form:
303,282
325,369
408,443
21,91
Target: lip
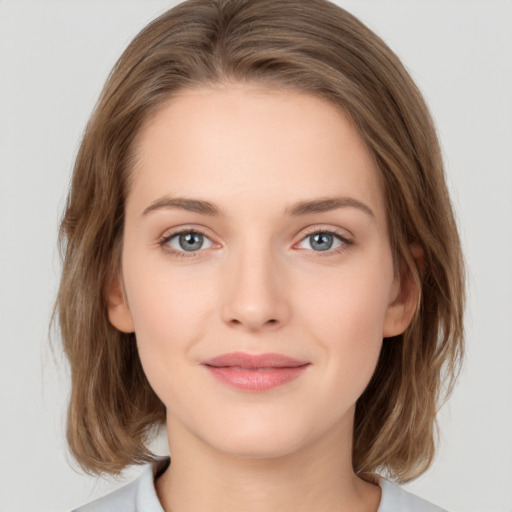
255,372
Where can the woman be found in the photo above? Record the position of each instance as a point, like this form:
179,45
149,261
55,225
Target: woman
261,255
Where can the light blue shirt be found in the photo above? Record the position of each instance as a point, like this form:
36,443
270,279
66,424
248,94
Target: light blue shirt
140,496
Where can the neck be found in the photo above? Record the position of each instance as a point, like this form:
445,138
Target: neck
317,477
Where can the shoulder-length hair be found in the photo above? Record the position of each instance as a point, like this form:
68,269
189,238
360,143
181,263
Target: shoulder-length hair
311,46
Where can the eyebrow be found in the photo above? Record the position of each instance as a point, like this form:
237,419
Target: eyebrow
183,203
327,204
297,209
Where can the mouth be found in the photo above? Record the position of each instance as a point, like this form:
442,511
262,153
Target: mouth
260,372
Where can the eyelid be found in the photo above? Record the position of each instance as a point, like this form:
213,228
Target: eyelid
341,234
163,241
336,232
346,241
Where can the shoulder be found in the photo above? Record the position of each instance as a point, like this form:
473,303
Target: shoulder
140,496
396,499
122,499
137,496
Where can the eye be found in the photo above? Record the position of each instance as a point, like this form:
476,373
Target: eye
186,241
321,241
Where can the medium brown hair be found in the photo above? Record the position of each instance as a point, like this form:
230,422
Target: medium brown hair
310,46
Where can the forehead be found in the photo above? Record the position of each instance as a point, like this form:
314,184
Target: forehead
236,144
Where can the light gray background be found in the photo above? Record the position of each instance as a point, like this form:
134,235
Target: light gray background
54,58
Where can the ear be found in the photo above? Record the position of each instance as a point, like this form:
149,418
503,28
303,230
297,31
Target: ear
404,297
118,311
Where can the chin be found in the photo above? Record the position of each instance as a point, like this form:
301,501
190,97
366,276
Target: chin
260,440
261,448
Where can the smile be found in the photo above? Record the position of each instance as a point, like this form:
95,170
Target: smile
260,372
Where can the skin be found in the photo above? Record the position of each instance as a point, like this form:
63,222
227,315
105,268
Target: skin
258,285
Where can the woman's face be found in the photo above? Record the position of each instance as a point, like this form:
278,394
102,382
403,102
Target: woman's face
256,268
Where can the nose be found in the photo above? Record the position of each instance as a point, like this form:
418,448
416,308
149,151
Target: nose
254,297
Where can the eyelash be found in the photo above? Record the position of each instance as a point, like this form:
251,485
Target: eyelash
346,242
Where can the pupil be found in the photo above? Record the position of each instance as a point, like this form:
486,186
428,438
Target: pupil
322,241
191,241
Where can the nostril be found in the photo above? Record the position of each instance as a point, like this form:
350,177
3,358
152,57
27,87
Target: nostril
254,325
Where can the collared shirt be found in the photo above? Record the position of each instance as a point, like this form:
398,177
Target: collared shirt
140,496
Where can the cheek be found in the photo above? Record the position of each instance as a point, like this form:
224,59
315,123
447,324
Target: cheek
170,311
165,297
349,304
346,317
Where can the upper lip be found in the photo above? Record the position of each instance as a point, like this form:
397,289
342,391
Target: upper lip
251,361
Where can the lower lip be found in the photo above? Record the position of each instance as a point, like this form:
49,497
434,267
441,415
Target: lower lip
256,380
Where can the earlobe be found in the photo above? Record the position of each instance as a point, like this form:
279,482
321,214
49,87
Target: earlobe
405,297
118,311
